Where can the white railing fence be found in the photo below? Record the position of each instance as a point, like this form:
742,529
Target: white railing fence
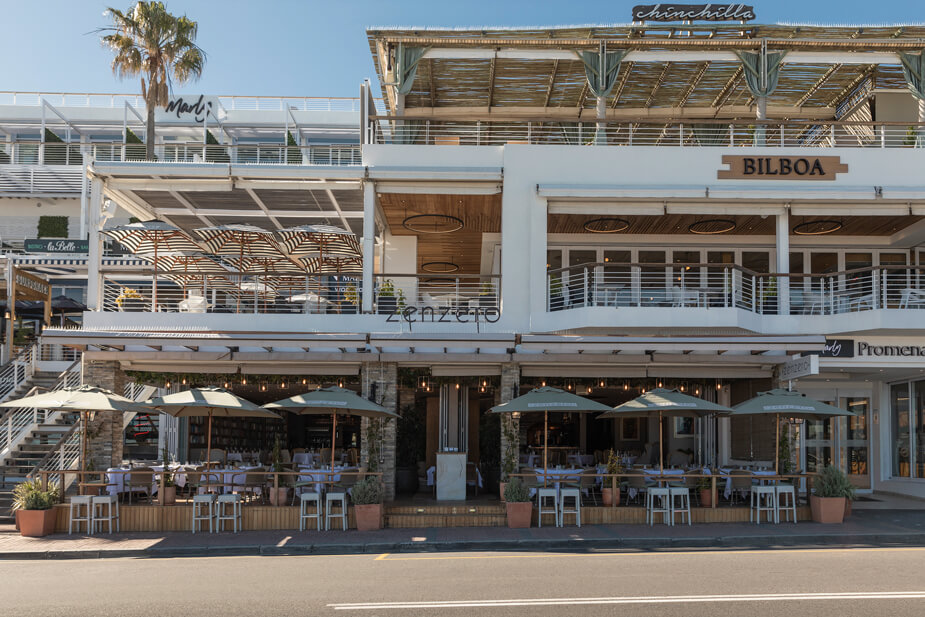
436,291
17,371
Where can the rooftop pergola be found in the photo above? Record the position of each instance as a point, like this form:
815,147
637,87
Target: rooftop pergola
671,71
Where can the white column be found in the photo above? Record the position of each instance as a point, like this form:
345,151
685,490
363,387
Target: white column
783,262
83,198
94,258
369,244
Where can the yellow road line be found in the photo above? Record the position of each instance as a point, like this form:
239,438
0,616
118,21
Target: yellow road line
389,557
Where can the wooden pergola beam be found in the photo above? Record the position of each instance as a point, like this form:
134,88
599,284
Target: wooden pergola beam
692,84
571,114
720,99
819,83
624,79
552,82
491,81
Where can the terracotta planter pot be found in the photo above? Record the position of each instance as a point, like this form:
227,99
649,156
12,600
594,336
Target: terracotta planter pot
519,514
169,497
847,507
37,523
278,495
501,487
706,498
16,518
610,497
827,509
369,516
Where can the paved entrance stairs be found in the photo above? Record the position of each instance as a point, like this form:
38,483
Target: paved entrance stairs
457,515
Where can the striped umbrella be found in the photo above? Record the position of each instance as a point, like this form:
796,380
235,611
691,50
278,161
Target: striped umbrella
240,241
325,239
190,268
333,265
150,238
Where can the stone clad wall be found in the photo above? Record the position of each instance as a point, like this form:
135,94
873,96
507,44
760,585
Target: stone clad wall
385,376
510,384
105,430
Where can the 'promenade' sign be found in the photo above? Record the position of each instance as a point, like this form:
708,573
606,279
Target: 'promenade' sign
781,167
693,12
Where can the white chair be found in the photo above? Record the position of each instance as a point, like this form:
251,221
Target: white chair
81,511
663,497
543,495
565,494
222,514
304,500
912,298
683,494
193,304
203,506
786,500
332,499
763,499
105,510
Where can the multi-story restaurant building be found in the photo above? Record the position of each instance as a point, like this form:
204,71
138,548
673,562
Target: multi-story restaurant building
700,206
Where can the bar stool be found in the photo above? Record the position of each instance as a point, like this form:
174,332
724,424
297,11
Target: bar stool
763,499
105,510
663,494
684,494
304,500
789,505
222,514
203,502
332,498
81,511
570,493
542,496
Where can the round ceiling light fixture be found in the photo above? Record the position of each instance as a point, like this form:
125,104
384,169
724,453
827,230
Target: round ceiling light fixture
433,223
711,227
440,267
817,228
606,225
439,281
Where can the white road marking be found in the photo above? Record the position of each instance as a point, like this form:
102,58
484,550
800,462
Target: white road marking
774,597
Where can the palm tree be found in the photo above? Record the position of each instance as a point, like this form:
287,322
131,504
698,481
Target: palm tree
161,47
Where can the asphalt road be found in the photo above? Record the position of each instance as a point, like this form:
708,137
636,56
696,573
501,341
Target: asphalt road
837,582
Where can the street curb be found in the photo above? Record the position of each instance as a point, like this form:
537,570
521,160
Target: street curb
718,543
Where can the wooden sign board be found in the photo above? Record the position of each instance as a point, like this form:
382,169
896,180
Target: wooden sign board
29,287
813,168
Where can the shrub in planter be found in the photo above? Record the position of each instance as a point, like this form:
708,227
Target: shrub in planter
614,467
832,491
705,486
278,495
35,508
169,496
519,506
367,504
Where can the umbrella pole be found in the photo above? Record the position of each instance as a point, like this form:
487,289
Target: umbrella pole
154,280
333,440
209,453
777,444
545,446
661,456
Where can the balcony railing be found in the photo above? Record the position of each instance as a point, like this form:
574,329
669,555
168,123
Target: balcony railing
707,286
406,131
430,296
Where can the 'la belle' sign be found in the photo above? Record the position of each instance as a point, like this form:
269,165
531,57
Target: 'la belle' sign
781,167
693,12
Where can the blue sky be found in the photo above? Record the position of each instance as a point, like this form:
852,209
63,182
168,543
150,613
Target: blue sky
312,48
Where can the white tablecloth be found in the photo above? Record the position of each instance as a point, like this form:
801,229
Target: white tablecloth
306,458
319,476
557,476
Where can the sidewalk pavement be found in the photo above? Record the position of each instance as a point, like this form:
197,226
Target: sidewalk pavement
864,528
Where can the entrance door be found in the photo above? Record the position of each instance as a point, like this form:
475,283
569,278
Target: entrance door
855,445
818,444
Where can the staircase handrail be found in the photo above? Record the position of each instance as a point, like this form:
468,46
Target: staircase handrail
65,455
17,371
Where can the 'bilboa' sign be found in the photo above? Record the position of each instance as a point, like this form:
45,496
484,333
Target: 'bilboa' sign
693,12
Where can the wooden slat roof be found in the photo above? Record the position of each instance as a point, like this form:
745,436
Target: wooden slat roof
533,83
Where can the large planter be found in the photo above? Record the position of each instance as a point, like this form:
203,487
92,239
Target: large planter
847,507
278,495
501,486
519,514
168,497
610,497
827,509
406,480
706,498
369,516
16,518
37,523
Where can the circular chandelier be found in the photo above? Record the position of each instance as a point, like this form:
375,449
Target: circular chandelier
606,225
433,223
817,228
710,227
440,267
439,281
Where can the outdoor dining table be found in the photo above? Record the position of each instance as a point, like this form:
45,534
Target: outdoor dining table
556,476
306,458
319,475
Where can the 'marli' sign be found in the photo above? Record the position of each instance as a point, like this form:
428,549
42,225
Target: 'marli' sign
781,167
693,12
190,109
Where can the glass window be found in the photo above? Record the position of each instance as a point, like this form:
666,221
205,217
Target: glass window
918,426
897,279
579,286
685,274
654,278
617,271
856,445
755,261
899,419
553,259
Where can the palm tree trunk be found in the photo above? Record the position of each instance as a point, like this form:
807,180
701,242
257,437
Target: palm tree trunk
149,135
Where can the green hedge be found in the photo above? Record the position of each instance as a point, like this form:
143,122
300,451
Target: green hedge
52,227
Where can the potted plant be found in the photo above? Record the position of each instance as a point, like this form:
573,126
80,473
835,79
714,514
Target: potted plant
35,508
556,298
832,491
487,296
614,467
169,497
351,300
367,503
387,299
129,300
278,495
509,462
519,506
705,486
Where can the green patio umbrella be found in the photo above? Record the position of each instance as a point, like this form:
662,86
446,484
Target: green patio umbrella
671,403
790,404
82,399
209,402
548,399
335,401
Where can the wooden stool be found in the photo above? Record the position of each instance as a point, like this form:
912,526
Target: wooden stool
664,497
542,495
108,504
570,493
206,501
767,494
330,499
789,507
80,515
304,500
222,515
684,493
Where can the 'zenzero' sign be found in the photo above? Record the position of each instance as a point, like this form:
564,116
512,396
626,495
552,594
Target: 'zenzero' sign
412,314
693,12
781,167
